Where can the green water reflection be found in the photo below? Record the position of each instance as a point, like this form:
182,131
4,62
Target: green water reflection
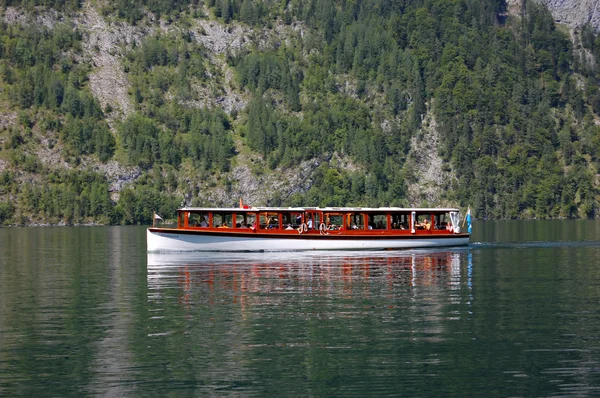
85,311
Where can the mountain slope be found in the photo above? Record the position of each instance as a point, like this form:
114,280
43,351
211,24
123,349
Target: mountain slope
118,110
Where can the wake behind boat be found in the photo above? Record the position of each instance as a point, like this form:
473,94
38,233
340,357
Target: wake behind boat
308,228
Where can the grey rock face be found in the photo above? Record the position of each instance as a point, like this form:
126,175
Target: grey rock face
573,13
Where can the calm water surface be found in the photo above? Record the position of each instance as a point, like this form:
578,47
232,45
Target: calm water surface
84,311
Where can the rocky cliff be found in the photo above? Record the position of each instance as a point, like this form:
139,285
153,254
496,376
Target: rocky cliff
573,13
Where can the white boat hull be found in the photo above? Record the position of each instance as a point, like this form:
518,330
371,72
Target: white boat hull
161,241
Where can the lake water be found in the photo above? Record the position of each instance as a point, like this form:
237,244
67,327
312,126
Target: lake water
84,311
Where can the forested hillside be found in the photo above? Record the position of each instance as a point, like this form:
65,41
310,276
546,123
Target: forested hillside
291,102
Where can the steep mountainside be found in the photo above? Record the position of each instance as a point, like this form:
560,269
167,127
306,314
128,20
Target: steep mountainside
575,13
113,110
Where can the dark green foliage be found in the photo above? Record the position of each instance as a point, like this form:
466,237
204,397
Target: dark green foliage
25,161
264,71
136,206
69,195
140,139
61,5
40,75
513,103
6,211
208,143
87,136
167,132
133,10
496,91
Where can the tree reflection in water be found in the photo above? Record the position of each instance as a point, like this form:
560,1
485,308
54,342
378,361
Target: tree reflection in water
248,278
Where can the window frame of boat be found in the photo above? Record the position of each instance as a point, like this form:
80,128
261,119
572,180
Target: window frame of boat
327,215
443,218
292,216
352,217
420,216
194,222
438,219
251,220
402,219
372,215
268,216
316,216
243,218
224,218
235,220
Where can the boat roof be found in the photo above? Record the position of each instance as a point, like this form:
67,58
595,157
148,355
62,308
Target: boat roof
329,209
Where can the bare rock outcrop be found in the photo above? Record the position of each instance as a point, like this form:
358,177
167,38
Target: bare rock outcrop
103,43
573,13
427,166
260,189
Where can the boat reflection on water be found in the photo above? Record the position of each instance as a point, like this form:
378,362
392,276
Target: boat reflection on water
236,276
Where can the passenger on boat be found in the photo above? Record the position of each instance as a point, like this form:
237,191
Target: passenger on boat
289,226
425,224
204,223
354,226
310,223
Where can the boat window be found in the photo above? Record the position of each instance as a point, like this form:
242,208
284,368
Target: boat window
400,221
378,221
269,221
291,220
423,221
443,221
222,220
250,220
333,221
198,219
312,219
240,221
355,221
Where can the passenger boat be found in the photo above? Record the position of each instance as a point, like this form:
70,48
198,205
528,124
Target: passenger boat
308,228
